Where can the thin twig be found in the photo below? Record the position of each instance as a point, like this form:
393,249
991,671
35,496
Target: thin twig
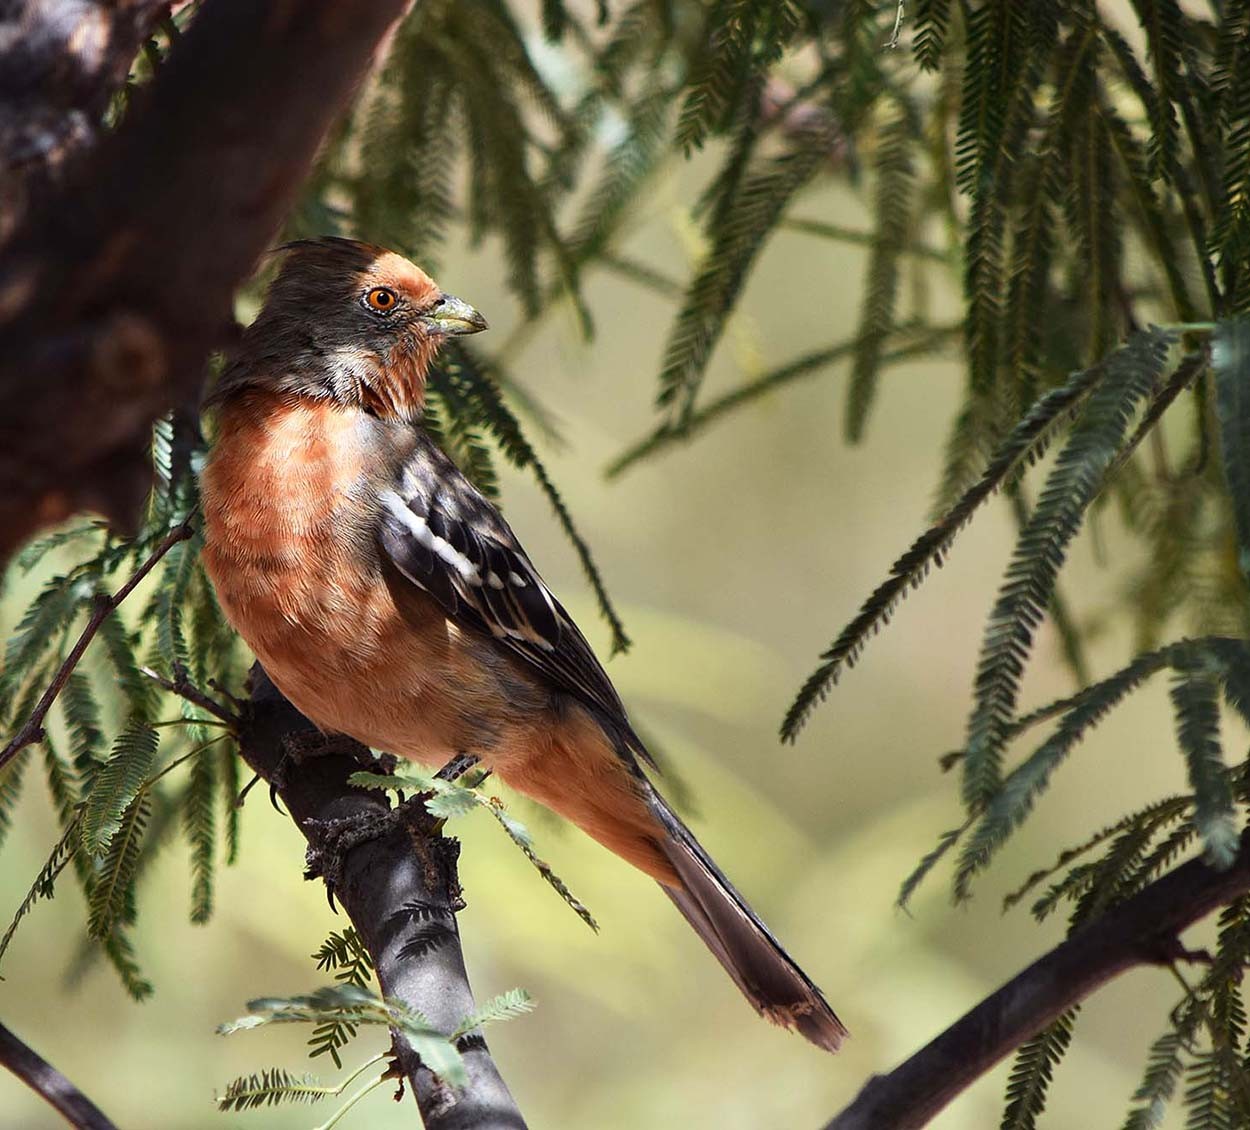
105,605
47,1082
184,688
1144,930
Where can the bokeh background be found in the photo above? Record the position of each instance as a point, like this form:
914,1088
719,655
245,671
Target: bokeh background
734,561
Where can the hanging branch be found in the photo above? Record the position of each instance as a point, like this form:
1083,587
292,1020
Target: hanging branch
1144,930
395,876
105,606
47,1082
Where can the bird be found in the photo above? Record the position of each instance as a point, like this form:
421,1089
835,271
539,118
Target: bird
389,600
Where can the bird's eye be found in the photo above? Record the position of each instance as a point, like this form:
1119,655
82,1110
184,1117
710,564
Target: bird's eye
381,300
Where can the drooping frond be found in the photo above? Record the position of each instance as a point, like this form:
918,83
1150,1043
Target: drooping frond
893,208
1032,1072
1214,661
1162,21
116,784
199,817
750,215
111,899
932,18
1230,364
1025,444
744,38
1195,699
1128,378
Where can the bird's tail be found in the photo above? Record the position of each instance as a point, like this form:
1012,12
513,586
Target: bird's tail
766,974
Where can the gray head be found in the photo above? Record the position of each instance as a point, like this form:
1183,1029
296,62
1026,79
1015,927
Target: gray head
350,322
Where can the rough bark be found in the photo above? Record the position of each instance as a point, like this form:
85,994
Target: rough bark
118,285
399,888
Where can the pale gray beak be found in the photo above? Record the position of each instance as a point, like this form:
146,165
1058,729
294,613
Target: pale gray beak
452,317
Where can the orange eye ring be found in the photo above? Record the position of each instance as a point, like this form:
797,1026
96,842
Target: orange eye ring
381,300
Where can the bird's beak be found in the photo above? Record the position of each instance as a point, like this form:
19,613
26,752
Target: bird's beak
452,317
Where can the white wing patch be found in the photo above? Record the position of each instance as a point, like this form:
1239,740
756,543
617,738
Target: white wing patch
421,531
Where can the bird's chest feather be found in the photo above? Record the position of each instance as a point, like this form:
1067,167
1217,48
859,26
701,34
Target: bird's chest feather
289,537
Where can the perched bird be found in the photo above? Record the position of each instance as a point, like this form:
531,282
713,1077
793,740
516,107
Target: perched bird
390,601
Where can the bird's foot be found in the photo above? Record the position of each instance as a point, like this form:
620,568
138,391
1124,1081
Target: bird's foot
334,838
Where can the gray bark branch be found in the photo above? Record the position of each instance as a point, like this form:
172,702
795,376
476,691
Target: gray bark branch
400,889
47,1082
1144,930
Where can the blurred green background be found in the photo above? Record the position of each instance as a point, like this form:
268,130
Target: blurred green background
734,561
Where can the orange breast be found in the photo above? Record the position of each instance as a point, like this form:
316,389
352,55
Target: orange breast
287,547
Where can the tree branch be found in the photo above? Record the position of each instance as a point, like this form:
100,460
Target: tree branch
398,887
46,1081
116,288
1144,930
60,61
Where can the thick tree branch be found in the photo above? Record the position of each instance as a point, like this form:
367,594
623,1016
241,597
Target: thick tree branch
399,888
1145,930
60,61
46,1081
115,290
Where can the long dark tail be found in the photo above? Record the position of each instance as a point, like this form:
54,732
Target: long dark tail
766,974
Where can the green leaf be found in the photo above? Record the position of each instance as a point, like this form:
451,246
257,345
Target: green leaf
199,819
506,1006
11,778
931,22
1026,444
1128,377
1163,22
1033,1071
116,784
1195,698
112,892
751,214
893,216
269,1088
1163,1072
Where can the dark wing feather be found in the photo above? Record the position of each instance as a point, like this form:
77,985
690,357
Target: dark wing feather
449,540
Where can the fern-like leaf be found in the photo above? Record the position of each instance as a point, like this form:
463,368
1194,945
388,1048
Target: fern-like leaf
931,22
1032,1072
112,891
1129,376
117,783
269,1088
1163,23
505,1006
1026,443
893,213
1195,695
750,216
199,820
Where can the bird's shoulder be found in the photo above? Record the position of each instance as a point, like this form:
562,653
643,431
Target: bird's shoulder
450,540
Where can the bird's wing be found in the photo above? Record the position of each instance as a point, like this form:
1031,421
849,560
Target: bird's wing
450,541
